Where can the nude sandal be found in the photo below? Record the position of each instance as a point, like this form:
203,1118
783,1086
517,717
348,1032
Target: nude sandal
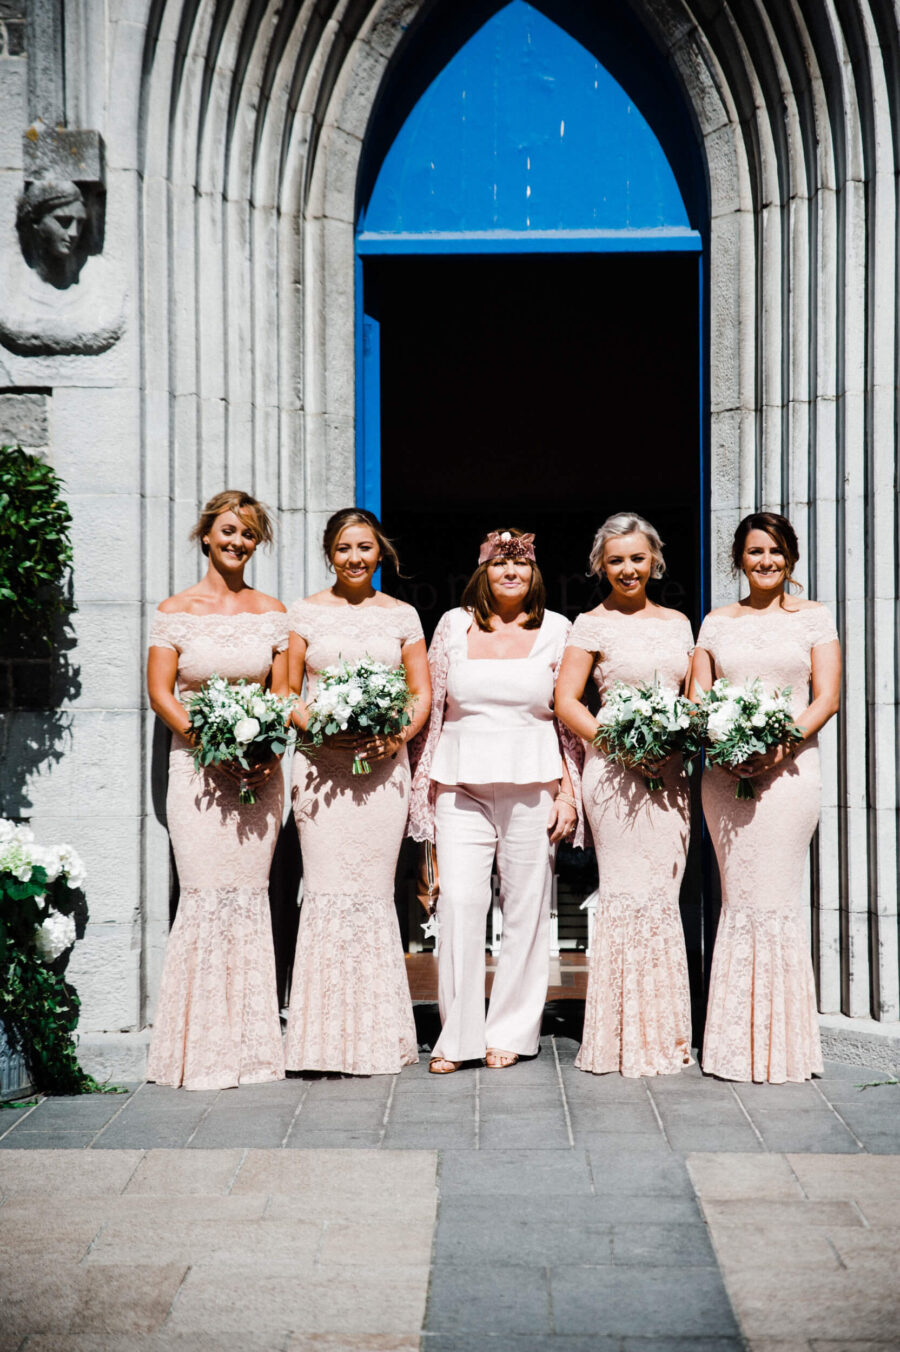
448,1067
497,1060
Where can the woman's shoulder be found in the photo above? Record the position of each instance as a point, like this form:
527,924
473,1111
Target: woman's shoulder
268,605
556,623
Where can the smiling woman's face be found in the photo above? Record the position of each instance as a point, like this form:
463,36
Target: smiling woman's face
509,580
763,561
356,555
230,541
628,563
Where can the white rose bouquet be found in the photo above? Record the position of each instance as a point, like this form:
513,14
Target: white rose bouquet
365,697
740,722
239,723
646,723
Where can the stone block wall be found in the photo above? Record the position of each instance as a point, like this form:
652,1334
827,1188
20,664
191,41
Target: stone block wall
233,139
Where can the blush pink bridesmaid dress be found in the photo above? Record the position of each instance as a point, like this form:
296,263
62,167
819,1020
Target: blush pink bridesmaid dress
350,1007
761,1019
217,1022
637,1017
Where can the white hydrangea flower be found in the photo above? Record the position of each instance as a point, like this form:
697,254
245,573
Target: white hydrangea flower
54,936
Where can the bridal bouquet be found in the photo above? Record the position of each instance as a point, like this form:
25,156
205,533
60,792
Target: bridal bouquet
738,722
646,723
240,723
365,697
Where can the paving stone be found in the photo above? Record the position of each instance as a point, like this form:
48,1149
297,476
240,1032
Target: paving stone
693,1344
580,1085
763,1244
361,1304
869,1249
49,1298
517,1172
163,1341
72,1114
752,1176
785,1214
644,1302
620,1142
862,1177
489,1238
624,1118
359,1342
699,1126
50,1172
182,1172
432,1135
807,1130
590,1211
517,1342
639,1173
47,1140
302,1138
438,1107
331,1114
236,1127
797,1097
474,1298
380,1244
819,1303
342,1184
661,1245
353,1087
260,1245
540,1131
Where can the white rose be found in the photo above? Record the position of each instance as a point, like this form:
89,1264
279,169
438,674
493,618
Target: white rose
758,720
354,696
245,730
54,936
258,708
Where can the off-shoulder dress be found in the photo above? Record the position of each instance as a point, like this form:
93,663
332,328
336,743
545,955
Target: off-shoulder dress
350,1008
637,1017
216,1022
761,1019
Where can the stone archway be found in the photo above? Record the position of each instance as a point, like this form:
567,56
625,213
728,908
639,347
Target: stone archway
252,121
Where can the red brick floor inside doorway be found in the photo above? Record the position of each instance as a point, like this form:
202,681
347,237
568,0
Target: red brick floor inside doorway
568,976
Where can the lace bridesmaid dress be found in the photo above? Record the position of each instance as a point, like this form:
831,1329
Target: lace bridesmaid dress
761,1019
637,1017
350,1008
217,1022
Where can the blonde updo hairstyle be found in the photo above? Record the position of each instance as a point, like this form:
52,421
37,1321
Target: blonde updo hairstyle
626,523
478,597
357,516
246,508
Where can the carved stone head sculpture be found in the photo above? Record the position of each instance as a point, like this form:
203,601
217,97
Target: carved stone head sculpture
51,218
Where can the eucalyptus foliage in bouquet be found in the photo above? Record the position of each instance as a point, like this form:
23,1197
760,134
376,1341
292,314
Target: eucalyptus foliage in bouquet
40,889
641,723
741,721
365,697
239,723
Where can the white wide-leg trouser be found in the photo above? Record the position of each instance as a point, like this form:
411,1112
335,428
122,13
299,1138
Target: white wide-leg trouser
473,823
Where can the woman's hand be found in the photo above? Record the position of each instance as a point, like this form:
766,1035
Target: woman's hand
255,777
563,820
653,769
378,747
758,763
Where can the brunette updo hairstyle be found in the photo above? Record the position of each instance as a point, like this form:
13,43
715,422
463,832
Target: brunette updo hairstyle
478,597
626,523
356,516
246,508
780,530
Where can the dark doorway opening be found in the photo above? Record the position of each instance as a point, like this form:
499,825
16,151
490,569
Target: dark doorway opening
543,391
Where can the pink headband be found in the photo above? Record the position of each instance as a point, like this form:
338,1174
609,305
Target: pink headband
506,546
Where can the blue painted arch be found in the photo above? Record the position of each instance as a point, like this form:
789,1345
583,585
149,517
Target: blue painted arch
524,138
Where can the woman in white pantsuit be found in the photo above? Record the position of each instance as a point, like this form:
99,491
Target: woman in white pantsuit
495,776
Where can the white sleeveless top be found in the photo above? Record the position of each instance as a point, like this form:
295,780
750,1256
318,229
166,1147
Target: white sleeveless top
498,719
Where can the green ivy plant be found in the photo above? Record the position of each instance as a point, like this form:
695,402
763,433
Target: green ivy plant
37,549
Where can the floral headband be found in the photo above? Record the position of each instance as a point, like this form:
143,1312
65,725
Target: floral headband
520,548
